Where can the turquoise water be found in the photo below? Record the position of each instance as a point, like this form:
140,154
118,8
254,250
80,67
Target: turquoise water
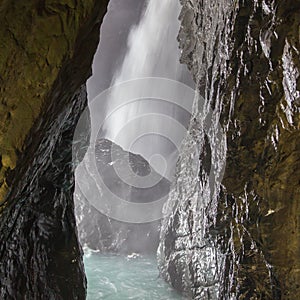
113,277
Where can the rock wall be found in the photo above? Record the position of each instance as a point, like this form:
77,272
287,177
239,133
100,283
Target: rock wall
99,231
45,57
241,239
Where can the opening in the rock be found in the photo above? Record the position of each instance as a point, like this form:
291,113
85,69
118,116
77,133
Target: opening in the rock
140,101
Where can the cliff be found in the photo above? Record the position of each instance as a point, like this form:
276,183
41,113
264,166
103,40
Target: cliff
233,231
103,233
46,52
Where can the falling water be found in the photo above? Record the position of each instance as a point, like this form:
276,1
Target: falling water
150,123
152,52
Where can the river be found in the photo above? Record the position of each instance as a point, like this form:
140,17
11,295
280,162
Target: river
120,277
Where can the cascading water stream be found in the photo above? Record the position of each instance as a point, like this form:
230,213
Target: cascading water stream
152,52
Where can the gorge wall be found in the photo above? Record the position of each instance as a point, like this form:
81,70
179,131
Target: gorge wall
232,227
99,231
46,53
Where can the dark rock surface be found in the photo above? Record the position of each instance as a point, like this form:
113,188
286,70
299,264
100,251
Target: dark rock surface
46,53
40,254
100,232
240,240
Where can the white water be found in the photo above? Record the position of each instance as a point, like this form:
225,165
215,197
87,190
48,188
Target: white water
117,277
152,52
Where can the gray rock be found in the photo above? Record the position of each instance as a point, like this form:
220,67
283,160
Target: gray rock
100,232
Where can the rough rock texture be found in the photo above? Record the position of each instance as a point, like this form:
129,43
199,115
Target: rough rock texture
241,238
38,39
46,52
99,232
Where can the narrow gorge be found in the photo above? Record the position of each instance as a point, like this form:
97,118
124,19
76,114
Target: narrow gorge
150,149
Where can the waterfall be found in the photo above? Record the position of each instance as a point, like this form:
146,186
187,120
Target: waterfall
148,107
152,51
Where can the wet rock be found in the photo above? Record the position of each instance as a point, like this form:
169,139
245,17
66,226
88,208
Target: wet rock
44,63
239,238
100,232
39,246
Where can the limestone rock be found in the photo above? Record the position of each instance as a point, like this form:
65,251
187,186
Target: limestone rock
46,52
242,240
100,232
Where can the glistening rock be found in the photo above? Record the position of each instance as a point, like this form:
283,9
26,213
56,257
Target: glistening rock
241,241
46,53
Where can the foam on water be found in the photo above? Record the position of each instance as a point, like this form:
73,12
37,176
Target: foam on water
115,277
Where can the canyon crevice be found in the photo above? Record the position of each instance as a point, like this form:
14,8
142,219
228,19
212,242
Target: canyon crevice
232,221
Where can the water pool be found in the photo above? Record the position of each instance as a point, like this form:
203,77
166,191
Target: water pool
116,277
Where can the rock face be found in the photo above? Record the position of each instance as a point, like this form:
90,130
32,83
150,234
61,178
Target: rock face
238,237
100,232
45,58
